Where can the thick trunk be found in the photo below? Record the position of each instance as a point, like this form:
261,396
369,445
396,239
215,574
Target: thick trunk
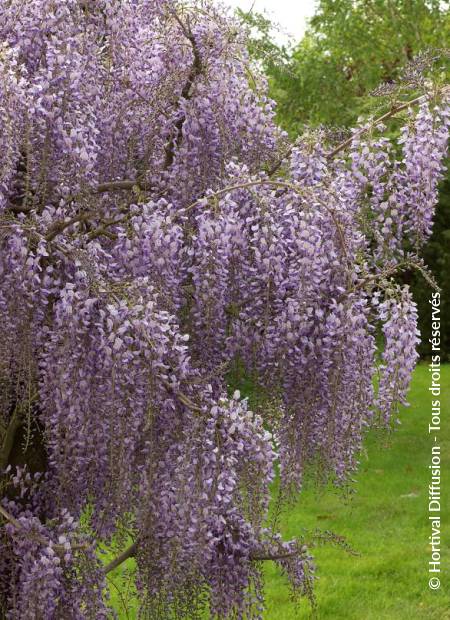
22,446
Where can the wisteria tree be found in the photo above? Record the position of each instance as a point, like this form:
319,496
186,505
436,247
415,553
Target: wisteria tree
159,234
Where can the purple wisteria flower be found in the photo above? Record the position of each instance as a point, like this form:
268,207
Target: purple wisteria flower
156,240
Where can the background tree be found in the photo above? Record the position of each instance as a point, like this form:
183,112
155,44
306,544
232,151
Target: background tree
349,49
158,232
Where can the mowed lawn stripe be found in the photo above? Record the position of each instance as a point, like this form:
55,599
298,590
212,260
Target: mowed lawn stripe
385,520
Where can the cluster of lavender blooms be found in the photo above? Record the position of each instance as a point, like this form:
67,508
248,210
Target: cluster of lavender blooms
153,232
399,317
42,560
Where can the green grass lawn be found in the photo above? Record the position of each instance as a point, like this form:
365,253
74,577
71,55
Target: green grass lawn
385,521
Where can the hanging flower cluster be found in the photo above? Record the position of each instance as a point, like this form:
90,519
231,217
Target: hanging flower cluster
399,316
44,560
154,235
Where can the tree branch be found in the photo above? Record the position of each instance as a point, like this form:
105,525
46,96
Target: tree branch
131,552
277,165
103,229
17,208
35,535
247,185
186,94
8,439
17,524
59,227
120,559
256,557
185,400
126,184
101,188
394,110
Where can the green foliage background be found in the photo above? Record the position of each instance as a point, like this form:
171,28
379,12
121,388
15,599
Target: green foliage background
350,48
